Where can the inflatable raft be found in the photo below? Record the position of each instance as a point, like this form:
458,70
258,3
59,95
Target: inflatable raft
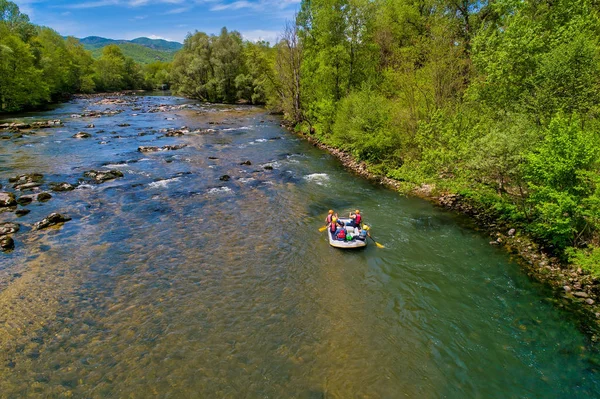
355,243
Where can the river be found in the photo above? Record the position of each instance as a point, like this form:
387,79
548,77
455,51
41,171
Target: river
170,282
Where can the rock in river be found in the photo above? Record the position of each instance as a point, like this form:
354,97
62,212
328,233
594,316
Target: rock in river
61,187
43,197
82,135
7,199
52,220
6,243
8,228
225,178
100,176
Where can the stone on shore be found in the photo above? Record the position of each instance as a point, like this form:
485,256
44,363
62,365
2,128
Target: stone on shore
51,220
581,294
511,232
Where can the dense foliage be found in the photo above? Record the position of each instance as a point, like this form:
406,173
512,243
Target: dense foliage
496,100
223,68
38,66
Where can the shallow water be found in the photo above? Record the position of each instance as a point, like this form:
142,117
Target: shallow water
170,282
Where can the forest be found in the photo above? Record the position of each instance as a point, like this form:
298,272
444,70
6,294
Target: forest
494,100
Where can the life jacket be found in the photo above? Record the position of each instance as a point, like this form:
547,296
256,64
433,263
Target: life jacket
332,227
342,234
329,217
357,219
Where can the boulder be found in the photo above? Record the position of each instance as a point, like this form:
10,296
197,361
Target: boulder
248,163
6,243
61,187
82,135
7,199
91,126
567,288
511,232
43,197
173,147
100,176
589,301
581,294
26,186
25,199
22,212
148,149
9,228
28,178
51,220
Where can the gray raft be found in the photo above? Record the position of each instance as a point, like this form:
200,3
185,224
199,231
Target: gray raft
355,243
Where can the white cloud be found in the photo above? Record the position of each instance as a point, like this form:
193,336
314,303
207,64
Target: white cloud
259,34
178,10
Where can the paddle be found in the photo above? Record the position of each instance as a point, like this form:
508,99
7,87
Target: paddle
321,229
376,243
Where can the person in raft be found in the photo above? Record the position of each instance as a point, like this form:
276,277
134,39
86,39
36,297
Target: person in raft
330,216
335,226
340,234
355,219
364,233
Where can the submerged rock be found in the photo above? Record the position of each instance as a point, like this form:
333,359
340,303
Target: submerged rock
43,197
163,148
225,178
6,243
100,176
248,163
148,149
51,220
267,167
61,187
7,199
27,178
9,228
25,199
26,186
82,135
22,212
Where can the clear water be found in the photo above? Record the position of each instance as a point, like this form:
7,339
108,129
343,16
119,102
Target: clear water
172,283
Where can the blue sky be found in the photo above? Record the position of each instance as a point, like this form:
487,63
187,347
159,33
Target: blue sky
164,19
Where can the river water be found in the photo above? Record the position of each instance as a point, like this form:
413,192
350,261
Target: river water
170,282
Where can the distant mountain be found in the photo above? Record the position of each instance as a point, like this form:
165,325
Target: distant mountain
143,50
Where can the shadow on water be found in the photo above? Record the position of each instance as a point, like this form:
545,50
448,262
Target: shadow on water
173,282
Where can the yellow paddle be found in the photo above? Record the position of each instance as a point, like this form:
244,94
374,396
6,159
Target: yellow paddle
376,243
321,229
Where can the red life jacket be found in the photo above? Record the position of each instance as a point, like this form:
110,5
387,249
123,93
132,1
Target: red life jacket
333,227
358,219
329,217
342,233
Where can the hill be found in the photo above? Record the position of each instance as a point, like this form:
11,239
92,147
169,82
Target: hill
143,50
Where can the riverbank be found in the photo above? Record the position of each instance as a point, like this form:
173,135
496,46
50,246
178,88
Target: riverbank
574,290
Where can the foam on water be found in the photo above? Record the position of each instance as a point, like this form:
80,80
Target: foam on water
318,178
219,190
163,183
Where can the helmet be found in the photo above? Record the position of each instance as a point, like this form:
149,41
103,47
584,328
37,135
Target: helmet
331,212
357,211
366,227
